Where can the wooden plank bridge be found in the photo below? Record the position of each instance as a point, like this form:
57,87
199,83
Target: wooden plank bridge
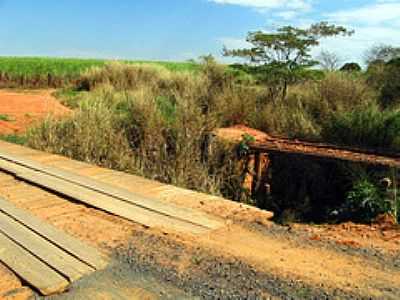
48,258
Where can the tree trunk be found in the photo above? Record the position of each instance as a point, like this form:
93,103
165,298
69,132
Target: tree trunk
284,91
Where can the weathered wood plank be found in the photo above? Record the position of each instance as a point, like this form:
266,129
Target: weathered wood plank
75,247
93,198
63,262
30,268
151,204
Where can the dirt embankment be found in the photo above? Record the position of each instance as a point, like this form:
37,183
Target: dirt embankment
19,110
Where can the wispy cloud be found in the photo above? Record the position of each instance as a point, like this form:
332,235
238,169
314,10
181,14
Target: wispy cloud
373,14
262,5
374,23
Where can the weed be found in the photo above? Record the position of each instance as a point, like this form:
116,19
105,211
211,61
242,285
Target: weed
365,201
6,118
244,147
14,138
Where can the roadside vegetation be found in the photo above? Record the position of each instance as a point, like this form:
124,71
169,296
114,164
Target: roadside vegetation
157,120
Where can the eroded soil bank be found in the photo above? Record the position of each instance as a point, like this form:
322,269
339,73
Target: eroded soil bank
21,109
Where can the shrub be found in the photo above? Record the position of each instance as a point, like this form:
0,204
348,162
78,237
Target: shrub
365,202
291,119
342,92
310,104
14,138
350,67
390,92
93,134
367,127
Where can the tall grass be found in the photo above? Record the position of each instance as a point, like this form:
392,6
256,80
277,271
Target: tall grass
310,104
152,122
368,127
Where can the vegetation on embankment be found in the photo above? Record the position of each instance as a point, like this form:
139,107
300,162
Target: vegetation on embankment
151,121
158,123
44,72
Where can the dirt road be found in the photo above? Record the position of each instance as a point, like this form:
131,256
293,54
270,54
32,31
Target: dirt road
250,258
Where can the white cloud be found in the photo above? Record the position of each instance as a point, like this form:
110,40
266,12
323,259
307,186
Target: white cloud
263,5
353,48
380,12
287,15
376,23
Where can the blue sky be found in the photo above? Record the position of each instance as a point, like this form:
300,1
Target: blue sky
182,29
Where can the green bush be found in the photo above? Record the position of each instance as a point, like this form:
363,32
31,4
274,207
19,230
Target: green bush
351,67
367,127
390,92
365,201
13,138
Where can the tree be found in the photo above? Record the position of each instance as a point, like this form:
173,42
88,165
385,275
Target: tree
390,92
381,54
350,67
328,61
283,57
383,72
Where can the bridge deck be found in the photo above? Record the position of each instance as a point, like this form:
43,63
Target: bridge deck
34,181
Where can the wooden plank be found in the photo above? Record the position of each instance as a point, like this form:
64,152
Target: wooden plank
75,247
95,199
119,193
63,262
30,269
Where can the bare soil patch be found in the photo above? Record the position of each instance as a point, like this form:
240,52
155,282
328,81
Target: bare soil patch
21,109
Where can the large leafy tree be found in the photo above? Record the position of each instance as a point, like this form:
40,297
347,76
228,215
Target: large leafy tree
283,57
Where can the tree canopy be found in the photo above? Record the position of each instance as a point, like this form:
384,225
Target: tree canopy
351,67
282,57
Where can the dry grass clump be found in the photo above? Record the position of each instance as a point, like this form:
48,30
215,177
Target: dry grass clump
310,105
121,76
93,134
157,123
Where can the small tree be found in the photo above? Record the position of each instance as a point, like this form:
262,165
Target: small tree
350,67
381,54
283,57
390,91
328,61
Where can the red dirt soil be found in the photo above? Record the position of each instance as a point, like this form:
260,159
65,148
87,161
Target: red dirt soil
235,133
25,108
